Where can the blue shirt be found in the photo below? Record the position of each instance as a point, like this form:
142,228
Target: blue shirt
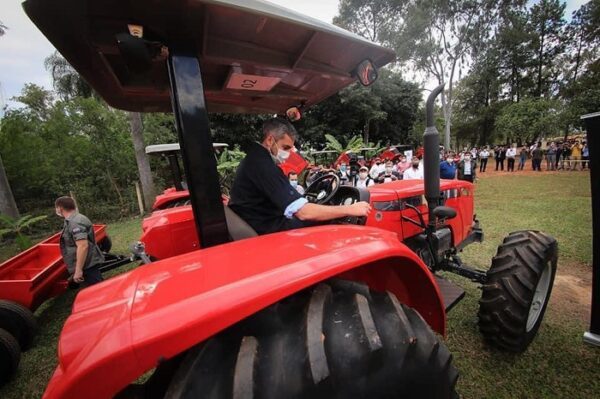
447,170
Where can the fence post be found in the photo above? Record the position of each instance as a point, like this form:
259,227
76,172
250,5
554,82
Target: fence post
138,192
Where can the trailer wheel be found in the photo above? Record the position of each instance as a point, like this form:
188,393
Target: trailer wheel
331,341
18,321
10,355
105,244
518,287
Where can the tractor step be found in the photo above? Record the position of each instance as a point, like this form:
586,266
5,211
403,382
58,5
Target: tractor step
451,292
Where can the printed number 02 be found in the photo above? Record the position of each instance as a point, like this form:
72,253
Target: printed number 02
248,84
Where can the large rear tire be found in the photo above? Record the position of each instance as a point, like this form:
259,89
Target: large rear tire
337,340
517,291
10,356
18,321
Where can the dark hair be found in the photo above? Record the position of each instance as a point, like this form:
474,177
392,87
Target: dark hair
279,127
65,202
292,173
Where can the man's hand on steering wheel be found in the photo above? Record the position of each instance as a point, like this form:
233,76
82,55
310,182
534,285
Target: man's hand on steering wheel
359,209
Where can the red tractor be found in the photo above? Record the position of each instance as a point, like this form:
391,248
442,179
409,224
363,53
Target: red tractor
347,309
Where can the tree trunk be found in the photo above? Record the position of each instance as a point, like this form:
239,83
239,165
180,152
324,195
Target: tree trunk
135,122
7,201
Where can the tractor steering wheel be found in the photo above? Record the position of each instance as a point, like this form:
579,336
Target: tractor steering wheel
322,189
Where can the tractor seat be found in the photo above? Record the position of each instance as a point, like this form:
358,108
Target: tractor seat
238,228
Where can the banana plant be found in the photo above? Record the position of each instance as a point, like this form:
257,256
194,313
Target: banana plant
16,227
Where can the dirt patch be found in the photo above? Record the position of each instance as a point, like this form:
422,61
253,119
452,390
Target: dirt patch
572,292
525,172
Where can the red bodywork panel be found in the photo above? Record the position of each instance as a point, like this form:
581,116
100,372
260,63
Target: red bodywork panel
459,195
171,232
132,321
37,274
168,196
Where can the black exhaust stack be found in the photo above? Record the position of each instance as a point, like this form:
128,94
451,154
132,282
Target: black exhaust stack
431,158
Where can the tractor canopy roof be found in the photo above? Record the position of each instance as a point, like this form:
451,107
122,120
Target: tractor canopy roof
174,147
255,57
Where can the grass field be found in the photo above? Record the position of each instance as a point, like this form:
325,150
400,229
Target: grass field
557,364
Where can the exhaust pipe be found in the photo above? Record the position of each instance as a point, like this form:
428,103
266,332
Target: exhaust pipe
431,158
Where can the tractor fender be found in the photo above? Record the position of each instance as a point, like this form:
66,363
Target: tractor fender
125,326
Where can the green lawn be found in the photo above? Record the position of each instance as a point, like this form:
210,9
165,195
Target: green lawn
557,365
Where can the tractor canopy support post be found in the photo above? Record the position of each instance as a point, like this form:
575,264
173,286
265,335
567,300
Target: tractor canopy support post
592,122
200,165
175,171
431,158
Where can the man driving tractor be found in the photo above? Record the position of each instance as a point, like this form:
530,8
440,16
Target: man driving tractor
262,195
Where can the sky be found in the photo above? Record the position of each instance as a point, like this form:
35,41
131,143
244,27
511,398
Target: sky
23,48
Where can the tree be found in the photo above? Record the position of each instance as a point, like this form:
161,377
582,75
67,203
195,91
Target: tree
513,54
8,205
528,120
436,37
546,22
141,158
67,82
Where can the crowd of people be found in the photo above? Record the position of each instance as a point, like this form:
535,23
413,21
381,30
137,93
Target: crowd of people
568,155
463,165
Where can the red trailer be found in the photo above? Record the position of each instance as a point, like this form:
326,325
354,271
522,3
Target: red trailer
29,279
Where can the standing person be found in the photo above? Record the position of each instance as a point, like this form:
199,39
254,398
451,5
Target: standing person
522,157
78,244
467,168
388,174
293,178
585,156
498,156
576,155
551,157
474,153
448,168
566,155
483,159
343,174
558,153
403,164
376,168
511,153
362,179
536,158
415,171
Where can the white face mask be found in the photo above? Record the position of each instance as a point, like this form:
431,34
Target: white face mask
294,183
282,155
450,160
363,175
388,169
467,158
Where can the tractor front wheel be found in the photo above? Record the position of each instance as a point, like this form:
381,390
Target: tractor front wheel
517,290
336,340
